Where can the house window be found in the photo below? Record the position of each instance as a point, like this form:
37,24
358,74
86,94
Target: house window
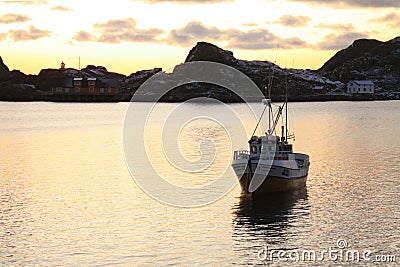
59,89
91,83
66,90
91,89
109,89
77,83
77,89
101,90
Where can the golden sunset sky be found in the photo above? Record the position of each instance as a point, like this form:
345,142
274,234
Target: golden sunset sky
130,35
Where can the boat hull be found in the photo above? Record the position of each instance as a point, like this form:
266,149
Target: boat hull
273,184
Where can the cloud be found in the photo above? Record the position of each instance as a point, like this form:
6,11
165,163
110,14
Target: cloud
187,1
258,38
61,8
353,3
118,30
192,31
250,24
340,41
337,27
293,21
14,18
32,34
392,20
25,2
84,36
3,36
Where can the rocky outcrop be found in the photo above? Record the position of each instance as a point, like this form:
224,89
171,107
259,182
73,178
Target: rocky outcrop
4,71
131,83
208,52
367,59
99,72
264,73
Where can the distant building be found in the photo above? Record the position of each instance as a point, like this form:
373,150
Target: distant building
62,65
361,87
85,89
320,89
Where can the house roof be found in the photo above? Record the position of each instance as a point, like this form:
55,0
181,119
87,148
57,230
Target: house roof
107,83
364,82
68,82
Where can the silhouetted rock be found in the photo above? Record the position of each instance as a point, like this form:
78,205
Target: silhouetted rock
4,71
99,72
208,52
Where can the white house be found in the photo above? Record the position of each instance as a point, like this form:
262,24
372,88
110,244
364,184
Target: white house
361,87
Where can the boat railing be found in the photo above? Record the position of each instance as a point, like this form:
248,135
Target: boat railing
241,155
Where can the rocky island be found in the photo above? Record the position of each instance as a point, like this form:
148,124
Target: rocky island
369,62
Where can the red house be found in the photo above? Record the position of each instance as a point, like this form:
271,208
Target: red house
320,89
86,86
85,89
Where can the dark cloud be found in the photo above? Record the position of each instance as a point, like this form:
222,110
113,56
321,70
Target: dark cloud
353,3
14,18
392,20
293,21
32,34
61,8
118,30
340,41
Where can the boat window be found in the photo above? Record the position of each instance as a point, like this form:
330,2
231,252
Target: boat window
254,149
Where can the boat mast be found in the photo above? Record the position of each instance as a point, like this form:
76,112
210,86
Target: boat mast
286,111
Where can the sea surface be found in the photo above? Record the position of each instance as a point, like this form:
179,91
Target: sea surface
67,196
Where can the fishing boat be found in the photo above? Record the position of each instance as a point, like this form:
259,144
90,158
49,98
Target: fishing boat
270,165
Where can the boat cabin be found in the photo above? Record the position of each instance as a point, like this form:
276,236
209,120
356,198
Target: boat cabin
270,148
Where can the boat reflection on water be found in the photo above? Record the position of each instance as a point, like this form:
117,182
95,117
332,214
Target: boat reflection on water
267,220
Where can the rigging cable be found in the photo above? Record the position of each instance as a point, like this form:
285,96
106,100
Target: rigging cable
265,108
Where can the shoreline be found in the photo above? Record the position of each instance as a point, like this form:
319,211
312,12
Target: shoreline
329,98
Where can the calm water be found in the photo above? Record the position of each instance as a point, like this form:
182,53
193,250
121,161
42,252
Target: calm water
67,197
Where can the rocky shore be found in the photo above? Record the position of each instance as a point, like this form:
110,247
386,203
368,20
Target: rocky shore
363,60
